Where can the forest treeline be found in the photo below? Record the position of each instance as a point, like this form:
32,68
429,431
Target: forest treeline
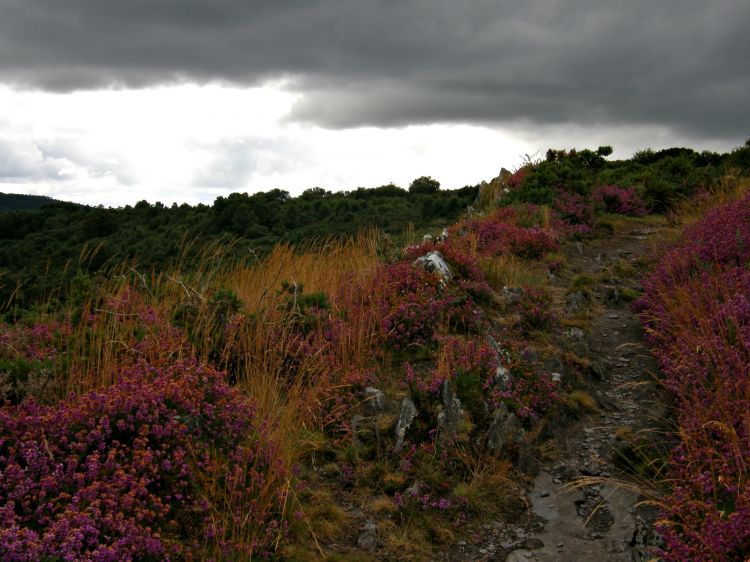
22,202
42,250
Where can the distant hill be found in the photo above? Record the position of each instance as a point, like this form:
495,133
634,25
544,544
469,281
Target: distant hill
19,202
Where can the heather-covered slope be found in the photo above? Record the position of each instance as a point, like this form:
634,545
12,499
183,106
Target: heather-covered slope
696,309
343,400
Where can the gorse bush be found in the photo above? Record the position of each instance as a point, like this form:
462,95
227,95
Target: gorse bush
696,308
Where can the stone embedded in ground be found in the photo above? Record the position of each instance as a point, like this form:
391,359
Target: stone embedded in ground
502,378
521,556
356,423
413,490
504,429
511,295
576,334
405,417
368,540
576,302
435,262
375,398
450,418
502,354
533,543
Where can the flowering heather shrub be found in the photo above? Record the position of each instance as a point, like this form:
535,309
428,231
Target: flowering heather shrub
28,359
500,233
415,305
463,361
39,342
131,472
529,391
574,208
517,178
696,309
620,200
459,255
535,311
412,501
719,241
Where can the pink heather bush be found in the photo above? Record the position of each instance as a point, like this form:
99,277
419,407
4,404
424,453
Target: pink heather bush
415,305
500,233
517,178
696,309
29,356
530,391
574,209
471,358
39,342
623,201
534,310
122,474
464,265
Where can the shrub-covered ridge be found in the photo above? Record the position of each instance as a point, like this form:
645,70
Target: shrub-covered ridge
696,308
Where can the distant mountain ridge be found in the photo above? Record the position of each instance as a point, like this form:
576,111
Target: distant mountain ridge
21,202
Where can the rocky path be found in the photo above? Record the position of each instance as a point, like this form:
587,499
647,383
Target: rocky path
582,514
580,510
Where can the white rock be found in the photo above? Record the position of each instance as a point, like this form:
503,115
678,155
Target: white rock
434,261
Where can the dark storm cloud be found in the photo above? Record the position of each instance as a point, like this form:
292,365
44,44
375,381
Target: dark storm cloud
677,63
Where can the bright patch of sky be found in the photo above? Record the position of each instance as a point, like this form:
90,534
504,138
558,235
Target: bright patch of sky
189,144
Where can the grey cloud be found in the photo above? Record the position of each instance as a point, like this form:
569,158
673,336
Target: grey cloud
675,63
240,160
96,164
25,161
54,161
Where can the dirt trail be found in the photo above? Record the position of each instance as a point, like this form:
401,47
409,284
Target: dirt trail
600,521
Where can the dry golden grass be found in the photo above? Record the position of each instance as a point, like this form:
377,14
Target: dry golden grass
255,345
727,189
581,402
382,505
406,542
512,271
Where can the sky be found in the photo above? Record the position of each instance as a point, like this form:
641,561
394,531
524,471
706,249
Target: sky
111,102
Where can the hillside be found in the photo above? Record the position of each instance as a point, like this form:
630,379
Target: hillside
43,251
19,202
511,387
